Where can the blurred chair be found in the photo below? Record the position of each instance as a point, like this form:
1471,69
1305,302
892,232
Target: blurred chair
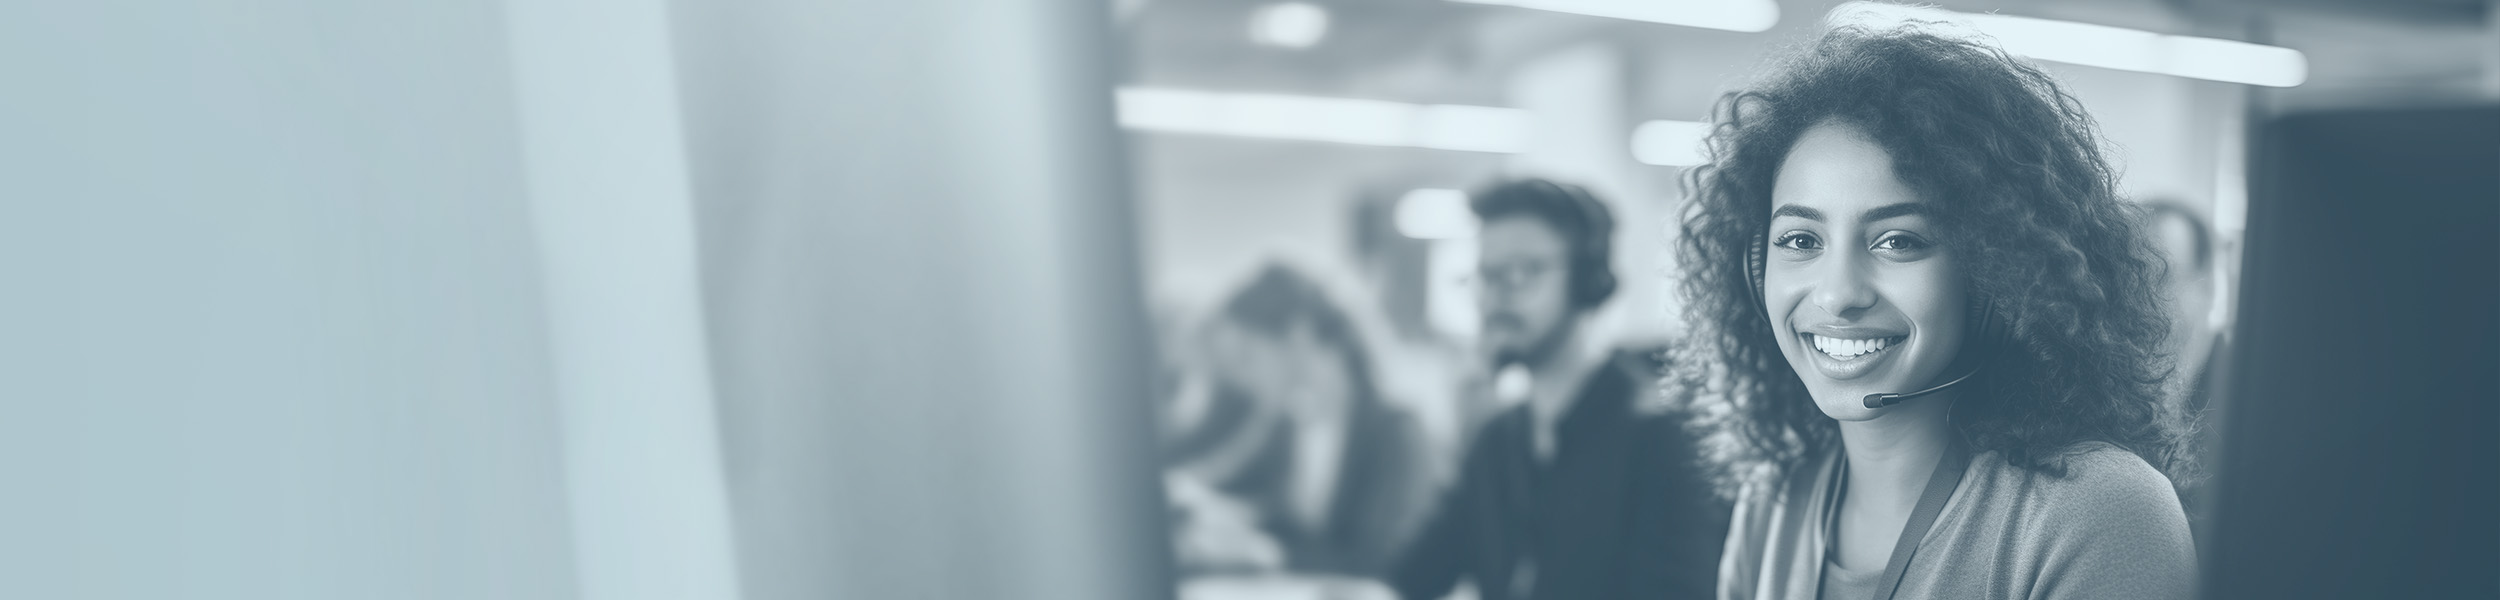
2358,443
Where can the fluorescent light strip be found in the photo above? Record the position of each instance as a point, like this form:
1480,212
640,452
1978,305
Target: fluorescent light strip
1339,120
2106,47
1670,143
1289,25
1749,16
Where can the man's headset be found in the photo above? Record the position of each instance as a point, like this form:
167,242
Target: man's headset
1592,252
1986,338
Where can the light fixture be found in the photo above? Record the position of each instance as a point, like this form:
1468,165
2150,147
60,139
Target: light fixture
1289,25
1435,214
1670,143
2104,46
1312,118
1749,16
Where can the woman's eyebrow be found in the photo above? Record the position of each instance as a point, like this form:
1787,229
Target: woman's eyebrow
1893,210
1792,210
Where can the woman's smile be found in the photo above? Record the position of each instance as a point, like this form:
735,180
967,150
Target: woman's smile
1840,357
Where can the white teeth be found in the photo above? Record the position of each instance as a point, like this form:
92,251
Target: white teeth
1847,348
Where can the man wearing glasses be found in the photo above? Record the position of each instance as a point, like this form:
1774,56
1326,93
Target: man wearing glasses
1586,489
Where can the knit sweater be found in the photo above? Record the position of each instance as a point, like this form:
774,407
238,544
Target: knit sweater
2110,528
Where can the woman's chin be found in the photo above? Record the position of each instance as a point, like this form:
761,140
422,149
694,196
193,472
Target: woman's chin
1845,406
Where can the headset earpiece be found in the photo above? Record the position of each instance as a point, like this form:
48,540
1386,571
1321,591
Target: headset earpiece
1989,334
1593,289
1753,277
1592,270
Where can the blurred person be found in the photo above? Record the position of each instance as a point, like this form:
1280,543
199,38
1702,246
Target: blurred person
1584,490
1927,335
2196,344
1292,461
2187,246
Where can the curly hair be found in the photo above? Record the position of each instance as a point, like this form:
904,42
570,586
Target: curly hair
2025,197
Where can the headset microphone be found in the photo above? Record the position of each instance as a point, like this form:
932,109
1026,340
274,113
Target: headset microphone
1883,400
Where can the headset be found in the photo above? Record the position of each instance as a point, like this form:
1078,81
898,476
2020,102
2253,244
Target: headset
1989,334
1592,252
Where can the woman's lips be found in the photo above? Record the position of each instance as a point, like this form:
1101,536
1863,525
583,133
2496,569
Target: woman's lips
1840,358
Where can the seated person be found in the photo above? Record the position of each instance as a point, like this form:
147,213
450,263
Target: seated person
1292,461
1588,489
1930,332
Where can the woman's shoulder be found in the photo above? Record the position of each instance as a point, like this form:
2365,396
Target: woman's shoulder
2104,492
2102,477
2109,526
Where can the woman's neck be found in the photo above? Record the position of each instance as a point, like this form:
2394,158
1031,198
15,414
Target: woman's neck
1890,459
1890,456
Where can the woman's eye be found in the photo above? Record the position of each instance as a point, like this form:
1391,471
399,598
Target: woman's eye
1901,242
1798,241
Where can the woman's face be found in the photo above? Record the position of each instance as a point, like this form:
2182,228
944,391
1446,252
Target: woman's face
1862,294
1297,372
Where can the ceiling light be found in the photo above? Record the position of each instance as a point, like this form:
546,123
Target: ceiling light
1289,25
2104,46
1670,143
1749,16
1312,118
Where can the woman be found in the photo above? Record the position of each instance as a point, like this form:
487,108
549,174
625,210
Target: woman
1893,211
1295,462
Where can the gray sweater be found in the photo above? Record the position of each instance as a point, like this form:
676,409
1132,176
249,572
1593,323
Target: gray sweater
2110,528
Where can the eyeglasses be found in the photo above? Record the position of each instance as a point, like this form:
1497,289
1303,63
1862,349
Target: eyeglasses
1512,276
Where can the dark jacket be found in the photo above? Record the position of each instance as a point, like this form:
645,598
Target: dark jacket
1622,511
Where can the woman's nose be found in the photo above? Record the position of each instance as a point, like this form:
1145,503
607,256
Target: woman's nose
1840,286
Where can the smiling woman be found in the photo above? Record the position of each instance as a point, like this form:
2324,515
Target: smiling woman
1909,209
1853,280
